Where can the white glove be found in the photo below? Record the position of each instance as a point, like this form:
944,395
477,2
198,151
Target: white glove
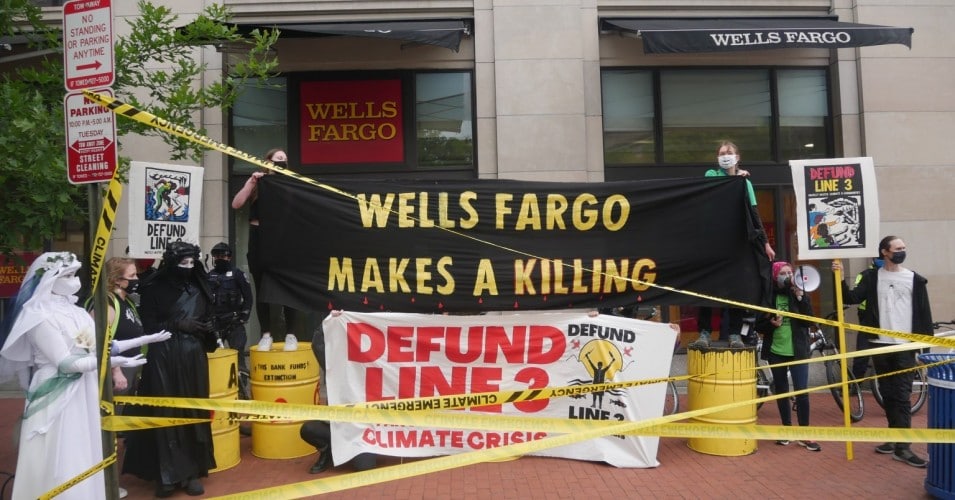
125,345
78,364
126,362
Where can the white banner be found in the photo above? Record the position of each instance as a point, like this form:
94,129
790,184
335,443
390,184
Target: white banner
837,208
386,356
165,204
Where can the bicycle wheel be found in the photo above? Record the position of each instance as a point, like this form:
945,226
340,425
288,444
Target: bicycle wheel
919,391
671,404
834,376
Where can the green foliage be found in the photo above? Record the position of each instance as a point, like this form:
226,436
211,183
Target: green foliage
157,66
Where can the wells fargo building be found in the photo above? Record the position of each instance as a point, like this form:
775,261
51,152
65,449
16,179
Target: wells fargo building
578,90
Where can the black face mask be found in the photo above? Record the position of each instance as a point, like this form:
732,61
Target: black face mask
132,286
898,257
283,164
182,272
220,265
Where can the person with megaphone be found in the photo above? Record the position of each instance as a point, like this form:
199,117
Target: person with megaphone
786,339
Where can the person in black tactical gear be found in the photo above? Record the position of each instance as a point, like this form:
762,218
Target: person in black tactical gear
175,298
232,299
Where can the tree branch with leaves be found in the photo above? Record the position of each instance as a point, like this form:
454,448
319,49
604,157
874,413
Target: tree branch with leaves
158,69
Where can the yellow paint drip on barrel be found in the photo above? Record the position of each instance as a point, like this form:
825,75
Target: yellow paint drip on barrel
279,376
224,385
734,380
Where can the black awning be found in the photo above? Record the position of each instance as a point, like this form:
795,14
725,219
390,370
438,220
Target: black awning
443,33
754,33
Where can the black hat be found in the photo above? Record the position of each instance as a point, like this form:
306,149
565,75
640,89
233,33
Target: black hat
221,248
178,250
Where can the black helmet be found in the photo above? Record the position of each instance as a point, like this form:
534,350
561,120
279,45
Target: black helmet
221,248
178,250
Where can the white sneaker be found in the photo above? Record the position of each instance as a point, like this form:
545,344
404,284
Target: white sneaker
123,493
291,343
265,343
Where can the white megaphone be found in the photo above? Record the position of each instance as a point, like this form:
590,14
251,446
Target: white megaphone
807,278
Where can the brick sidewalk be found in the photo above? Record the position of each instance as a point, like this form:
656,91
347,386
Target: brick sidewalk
771,472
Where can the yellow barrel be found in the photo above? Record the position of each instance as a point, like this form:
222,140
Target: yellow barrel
279,376
224,384
732,379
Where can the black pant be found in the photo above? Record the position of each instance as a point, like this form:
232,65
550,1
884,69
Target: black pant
237,338
293,318
704,320
896,389
318,433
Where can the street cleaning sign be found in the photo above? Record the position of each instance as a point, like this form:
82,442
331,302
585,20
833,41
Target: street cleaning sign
90,139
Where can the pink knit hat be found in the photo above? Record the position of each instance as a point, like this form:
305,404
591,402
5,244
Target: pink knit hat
779,265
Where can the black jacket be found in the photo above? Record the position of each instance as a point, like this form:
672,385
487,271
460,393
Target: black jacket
867,290
799,327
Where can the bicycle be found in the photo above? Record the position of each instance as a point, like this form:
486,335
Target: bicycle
920,383
824,346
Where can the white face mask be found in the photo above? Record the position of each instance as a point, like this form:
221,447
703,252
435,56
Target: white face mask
727,161
66,286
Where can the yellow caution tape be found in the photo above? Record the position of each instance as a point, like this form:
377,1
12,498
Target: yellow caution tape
576,430
76,480
104,229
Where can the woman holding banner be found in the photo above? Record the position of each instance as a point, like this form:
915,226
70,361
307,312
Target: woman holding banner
727,156
249,194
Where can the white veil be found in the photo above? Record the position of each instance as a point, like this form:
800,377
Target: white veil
29,310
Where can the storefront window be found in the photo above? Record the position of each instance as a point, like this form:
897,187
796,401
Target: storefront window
700,108
681,119
259,122
803,114
445,135
628,117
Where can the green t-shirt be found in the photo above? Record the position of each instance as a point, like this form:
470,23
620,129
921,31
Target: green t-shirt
719,172
783,334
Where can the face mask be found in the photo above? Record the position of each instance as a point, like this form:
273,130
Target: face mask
784,280
282,163
726,161
132,286
898,257
220,265
66,286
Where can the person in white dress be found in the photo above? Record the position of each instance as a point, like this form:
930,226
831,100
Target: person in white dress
47,334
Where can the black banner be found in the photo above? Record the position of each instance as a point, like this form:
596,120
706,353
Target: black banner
482,245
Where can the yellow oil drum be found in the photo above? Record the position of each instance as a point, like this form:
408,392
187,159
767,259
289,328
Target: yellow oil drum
279,376
727,376
224,385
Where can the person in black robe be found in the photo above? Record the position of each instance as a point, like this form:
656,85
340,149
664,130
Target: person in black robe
175,298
